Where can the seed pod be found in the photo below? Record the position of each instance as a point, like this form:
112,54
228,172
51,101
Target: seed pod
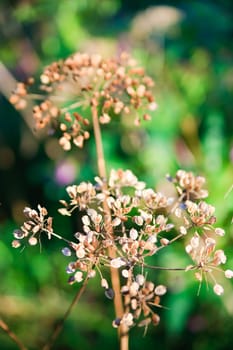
125,290
18,234
146,310
104,283
15,243
32,241
156,300
150,286
109,293
116,323
66,251
155,319
134,304
160,290
71,280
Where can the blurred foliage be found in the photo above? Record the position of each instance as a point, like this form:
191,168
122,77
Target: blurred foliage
187,48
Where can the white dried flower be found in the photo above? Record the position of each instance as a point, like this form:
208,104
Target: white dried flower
153,106
92,213
219,231
33,241
138,220
15,243
218,289
164,241
86,220
80,252
125,273
141,90
188,248
44,79
195,241
183,230
117,262
92,274
116,222
133,234
134,287
78,276
104,119
104,283
219,257
229,273
160,290
140,279
127,319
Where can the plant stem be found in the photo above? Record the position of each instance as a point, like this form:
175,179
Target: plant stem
12,335
60,325
99,146
194,267
115,279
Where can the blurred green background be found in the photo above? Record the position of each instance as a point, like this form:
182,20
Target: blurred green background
187,47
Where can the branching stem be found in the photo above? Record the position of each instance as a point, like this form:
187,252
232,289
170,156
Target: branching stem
60,325
170,268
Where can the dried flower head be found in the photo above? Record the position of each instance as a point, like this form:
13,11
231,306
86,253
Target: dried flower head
113,86
120,213
207,259
189,186
37,222
141,298
122,221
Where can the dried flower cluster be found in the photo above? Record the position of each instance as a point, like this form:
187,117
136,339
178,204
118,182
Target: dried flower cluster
37,223
113,86
123,221
139,225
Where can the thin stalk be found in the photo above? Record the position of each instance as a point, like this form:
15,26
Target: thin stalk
170,268
115,279
12,335
60,325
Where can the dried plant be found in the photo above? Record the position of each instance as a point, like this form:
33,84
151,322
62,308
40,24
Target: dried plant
123,221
